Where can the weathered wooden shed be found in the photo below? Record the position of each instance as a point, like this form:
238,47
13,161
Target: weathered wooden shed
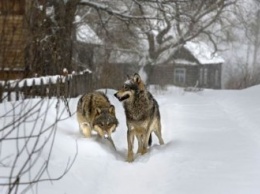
85,45
115,68
193,64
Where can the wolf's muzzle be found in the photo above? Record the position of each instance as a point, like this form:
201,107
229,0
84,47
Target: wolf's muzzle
121,98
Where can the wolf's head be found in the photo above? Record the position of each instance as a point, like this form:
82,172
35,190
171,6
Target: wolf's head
105,121
132,85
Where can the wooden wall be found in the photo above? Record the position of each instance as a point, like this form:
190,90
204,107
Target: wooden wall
12,36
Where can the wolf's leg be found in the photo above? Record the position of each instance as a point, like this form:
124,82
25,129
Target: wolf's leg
85,129
130,141
140,143
146,141
140,133
158,133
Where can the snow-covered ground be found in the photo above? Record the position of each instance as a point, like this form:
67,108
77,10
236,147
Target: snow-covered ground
212,146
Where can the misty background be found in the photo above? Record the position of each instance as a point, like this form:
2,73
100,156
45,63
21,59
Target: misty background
43,37
60,49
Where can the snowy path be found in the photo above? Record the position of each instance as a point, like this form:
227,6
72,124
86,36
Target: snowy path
209,148
216,154
212,147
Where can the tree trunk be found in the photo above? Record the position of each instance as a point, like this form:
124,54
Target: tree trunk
256,42
50,39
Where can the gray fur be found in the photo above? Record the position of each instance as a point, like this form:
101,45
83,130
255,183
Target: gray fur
142,114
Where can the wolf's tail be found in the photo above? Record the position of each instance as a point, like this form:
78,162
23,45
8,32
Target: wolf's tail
150,140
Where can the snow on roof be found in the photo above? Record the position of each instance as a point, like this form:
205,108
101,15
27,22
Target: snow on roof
85,34
165,55
118,56
184,62
203,53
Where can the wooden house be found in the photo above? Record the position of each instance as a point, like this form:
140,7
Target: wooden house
195,64
116,66
12,39
86,44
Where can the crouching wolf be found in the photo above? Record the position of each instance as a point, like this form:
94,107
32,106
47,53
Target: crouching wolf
95,112
142,114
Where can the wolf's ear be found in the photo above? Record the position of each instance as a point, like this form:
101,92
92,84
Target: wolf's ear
112,109
137,78
98,111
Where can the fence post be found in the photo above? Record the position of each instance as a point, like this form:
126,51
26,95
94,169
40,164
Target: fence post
50,88
33,89
9,91
16,89
1,93
73,86
80,84
85,80
70,86
25,89
42,89
66,87
58,85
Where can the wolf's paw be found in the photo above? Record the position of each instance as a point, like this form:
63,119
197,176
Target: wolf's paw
144,151
130,160
86,133
130,157
140,151
161,142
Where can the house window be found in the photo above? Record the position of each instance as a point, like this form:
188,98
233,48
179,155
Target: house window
180,76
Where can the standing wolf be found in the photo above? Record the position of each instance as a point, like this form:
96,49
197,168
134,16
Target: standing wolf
95,112
142,114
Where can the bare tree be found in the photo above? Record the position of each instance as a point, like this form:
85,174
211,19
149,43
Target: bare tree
243,66
179,22
26,136
155,29
158,25
165,24
50,35
27,143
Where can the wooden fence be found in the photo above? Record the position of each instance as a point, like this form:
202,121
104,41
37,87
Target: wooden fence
52,86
